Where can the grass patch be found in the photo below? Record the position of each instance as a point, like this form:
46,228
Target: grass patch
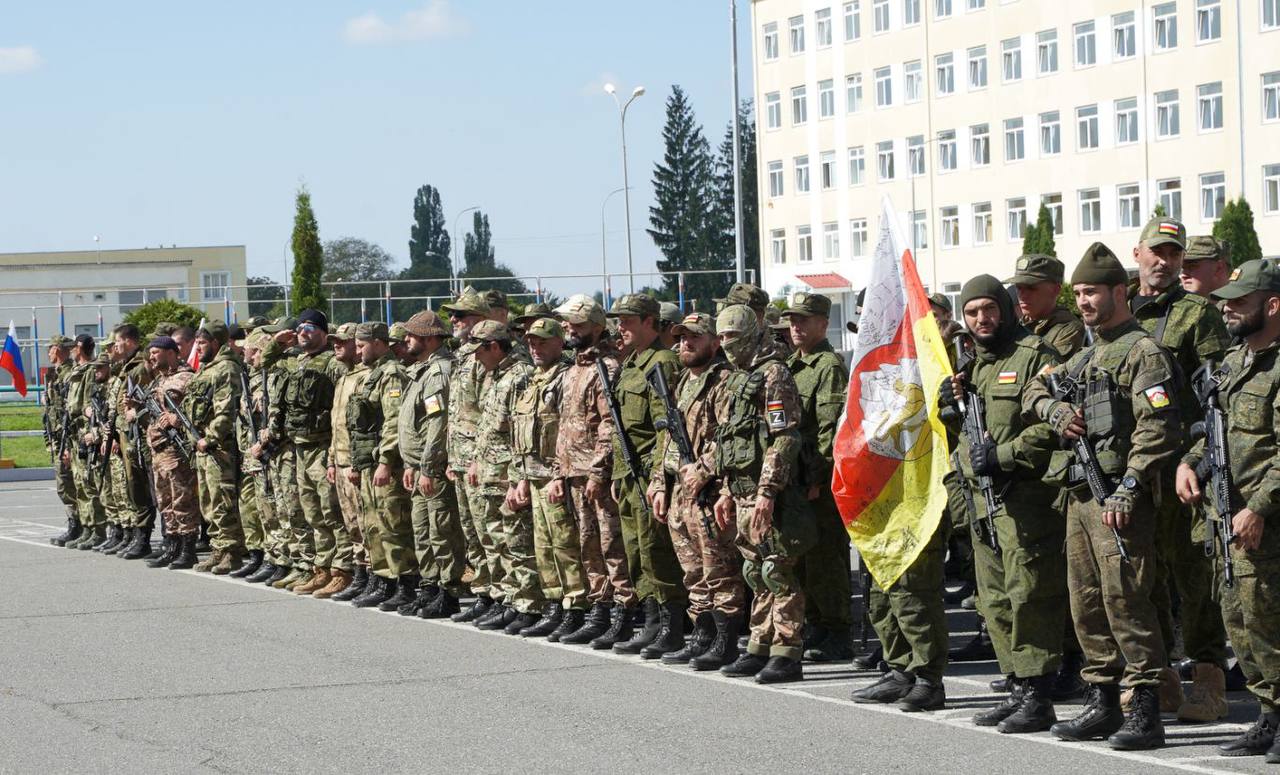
23,417
27,452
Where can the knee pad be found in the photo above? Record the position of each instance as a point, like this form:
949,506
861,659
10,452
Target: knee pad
777,580
751,573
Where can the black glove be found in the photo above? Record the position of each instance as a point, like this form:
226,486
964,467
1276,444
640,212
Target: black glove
946,394
983,459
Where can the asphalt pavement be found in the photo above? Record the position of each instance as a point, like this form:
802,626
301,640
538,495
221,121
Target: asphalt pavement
108,666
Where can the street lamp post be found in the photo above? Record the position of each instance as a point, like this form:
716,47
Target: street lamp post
454,280
604,263
626,186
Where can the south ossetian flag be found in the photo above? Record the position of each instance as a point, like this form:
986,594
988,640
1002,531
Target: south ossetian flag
11,361
890,446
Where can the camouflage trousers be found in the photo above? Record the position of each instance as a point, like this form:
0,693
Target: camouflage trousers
65,483
89,489
712,563
438,539
248,506
356,518
387,515
909,617
115,497
1182,564
216,483
603,556
298,546
1251,613
513,574
319,502
777,607
175,483
130,497
557,549
824,570
1116,622
650,556
479,548
272,544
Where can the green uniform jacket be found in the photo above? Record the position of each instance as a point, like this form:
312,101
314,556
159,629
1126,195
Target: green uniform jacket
758,438
535,423
822,381
424,414
340,441
382,392
640,407
308,397
1062,331
213,399
1191,328
55,405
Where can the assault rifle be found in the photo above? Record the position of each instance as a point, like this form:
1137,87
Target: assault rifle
150,406
674,425
1215,469
629,454
102,418
134,430
974,411
182,418
253,432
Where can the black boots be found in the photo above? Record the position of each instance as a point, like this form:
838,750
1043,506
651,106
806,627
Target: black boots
780,670
141,546
1100,718
571,622
552,615
872,660
723,649
833,646
893,686
265,571
377,591
357,586
1067,684
745,666
115,534
478,609
670,637
251,565
406,589
70,534
619,629
977,650
166,557
1035,711
122,540
594,624
186,557
442,606
420,601
647,634
523,620
993,716
1142,729
1256,740
704,630
925,695
281,573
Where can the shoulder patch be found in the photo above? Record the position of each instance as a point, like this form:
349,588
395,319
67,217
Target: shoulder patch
433,405
777,415
1157,396
393,392
1007,377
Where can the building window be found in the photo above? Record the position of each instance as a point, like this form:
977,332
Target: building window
852,20
920,230
775,179
770,41
1167,114
1050,134
1087,127
1086,45
1014,147
802,174
858,237
857,166
982,223
978,67
772,110
915,155
831,241
1011,59
1130,206
1271,188
89,329
1209,106
797,34
1053,203
1124,36
1090,210
884,87
778,245
827,169
853,92
822,27
947,150
1169,193
1270,14
944,64
977,5
826,98
880,15
1127,121
804,244
941,8
884,159
912,81
799,106
980,136
1017,218
910,12
950,227
1271,95
1213,195
1208,20
213,285
1166,26
1047,52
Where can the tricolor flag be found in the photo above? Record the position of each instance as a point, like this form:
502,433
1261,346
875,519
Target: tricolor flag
11,361
890,445
193,360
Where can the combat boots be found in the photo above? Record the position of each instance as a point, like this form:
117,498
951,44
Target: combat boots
1067,684
338,581
1100,718
263,573
250,567
1169,693
376,591
745,666
1207,699
1035,713
406,591
141,546
227,563
478,609
891,687
292,578
552,615
280,573
123,536
114,532
619,629
523,620
95,535
420,600
443,605
319,579
355,588
186,557
647,634
723,648
70,534
833,646
993,716
780,670
872,660
704,631
670,637
592,626
1142,729
166,556
925,695
571,622
1257,739
979,649
206,565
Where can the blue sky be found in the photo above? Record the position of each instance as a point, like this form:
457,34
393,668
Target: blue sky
155,123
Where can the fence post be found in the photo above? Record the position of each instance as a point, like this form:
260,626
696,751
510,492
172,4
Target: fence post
62,316
286,300
363,317
226,306
608,292
680,295
387,285
101,332
35,352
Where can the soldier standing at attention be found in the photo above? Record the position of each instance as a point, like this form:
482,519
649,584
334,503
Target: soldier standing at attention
80,387
1129,418
134,491
339,473
99,445
1249,394
1205,266
1038,280
175,479
57,424
257,476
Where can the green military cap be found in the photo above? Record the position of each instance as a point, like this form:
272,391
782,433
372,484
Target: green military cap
745,293
1099,266
164,328
696,323
735,319
1036,268
257,339
490,331
581,309
940,300
545,328
254,322
344,332
58,340
395,334
215,330
1260,274
1164,231
773,319
806,304
425,323
103,359
669,313
235,333
494,298
641,304
1202,247
283,323
467,304
532,312
374,329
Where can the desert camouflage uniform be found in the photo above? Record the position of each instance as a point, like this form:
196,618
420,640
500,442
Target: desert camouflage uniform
211,402
175,479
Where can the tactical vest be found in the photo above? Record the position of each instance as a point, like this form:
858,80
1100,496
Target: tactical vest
364,421
199,402
535,423
743,436
308,398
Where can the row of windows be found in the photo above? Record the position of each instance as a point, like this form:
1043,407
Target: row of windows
1163,26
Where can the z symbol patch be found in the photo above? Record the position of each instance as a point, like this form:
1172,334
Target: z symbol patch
777,415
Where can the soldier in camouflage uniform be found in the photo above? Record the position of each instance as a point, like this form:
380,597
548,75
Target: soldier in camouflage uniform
1130,418
99,445
781,330
683,495
1191,328
757,449
1249,394
584,465
130,477
1206,265
519,324
247,466
257,504
80,388
175,479
56,425
347,487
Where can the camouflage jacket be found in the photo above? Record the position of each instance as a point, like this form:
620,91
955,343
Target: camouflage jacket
213,398
585,444
424,414
1062,331
493,435
535,423
697,396
821,380
250,401
173,385
307,397
278,364
340,441
1191,328
373,416
464,407
758,438
55,405
639,406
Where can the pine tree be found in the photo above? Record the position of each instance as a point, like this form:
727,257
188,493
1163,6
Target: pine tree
308,256
429,256
750,200
477,250
1159,211
1038,239
1235,228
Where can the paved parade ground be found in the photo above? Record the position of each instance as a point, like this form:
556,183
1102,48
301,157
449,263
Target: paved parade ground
108,666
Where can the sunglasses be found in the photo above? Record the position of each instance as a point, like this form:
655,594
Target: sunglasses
308,327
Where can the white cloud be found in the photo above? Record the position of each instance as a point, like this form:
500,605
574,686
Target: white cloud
20,59
433,21
595,87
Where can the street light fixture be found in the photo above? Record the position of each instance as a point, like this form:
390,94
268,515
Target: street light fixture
604,264
454,279
626,185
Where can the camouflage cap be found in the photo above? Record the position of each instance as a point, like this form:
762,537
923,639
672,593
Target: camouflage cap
940,300
1164,231
1037,268
103,359
344,332
215,330
374,329
696,323
1260,274
425,323
58,340
745,293
735,319
235,333
258,340
1203,247
490,331
494,298
1099,266
641,304
283,323
669,313
532,312
581,309
395,334
545,328
467,304
773,319
254,322
806,304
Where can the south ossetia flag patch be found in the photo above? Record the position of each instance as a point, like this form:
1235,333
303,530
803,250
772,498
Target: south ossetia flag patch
1157,396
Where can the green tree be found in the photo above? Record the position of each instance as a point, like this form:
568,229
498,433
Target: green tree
1235,228
308,256
477,247
148,315
347,259
266,297
1159,211
429,256
750,200
1039,236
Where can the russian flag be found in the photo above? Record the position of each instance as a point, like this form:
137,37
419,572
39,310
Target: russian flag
11,361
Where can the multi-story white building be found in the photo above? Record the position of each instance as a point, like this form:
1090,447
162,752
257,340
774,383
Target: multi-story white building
969,114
